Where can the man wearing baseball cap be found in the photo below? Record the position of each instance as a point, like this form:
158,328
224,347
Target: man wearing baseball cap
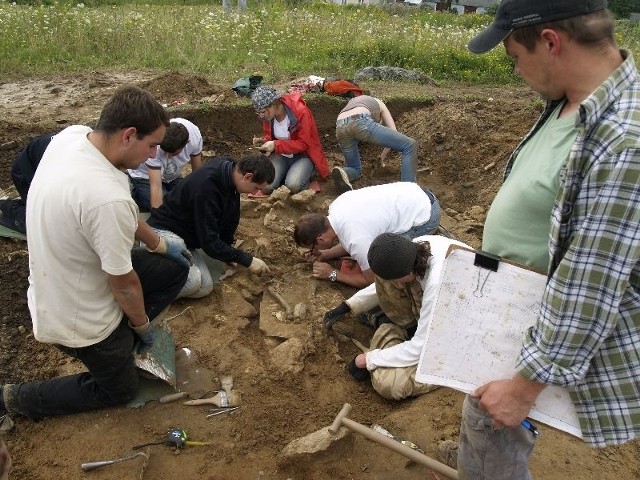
569,205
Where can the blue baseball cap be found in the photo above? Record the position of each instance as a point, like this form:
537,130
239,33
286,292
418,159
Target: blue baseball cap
514,14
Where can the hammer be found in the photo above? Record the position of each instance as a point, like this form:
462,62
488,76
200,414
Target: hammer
390,443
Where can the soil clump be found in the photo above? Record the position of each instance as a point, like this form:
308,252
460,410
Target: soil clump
290,386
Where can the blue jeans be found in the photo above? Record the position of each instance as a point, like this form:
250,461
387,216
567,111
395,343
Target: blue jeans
431,225
141,193
488,454
350,131
111,378
294,172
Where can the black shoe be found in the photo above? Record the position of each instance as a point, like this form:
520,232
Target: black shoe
341,180
12,215
357,373
374,318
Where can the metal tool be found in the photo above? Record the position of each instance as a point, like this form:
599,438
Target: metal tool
387,433
175,437
431,463
157,361
220,411
87,467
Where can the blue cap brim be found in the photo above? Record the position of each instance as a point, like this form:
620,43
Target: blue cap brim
488,39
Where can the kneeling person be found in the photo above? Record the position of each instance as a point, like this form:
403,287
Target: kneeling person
204,211
407,279
356,218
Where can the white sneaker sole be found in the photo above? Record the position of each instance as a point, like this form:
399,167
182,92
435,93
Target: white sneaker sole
341,180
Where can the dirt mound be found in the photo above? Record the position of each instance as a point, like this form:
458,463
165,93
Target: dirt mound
290,388
174,88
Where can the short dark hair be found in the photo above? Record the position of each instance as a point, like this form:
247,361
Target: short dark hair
260,166
308,227
175,138
593,29
131,106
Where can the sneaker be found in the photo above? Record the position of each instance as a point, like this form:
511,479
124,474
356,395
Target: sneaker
6,422
341,180
447,453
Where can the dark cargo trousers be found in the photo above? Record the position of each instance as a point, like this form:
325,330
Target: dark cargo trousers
111,378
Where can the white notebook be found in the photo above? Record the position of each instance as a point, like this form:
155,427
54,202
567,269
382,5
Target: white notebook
477,329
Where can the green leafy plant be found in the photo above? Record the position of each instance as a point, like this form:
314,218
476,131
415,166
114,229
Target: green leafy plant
278,39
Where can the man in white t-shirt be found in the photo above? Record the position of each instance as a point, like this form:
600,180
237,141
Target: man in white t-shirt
89,289
357,217
182,144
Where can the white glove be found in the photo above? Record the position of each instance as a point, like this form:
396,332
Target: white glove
258,266
267,147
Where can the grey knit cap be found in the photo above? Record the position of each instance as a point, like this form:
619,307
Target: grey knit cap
263,96
392,256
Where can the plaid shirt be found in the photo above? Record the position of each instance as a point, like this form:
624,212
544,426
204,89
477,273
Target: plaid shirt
587,337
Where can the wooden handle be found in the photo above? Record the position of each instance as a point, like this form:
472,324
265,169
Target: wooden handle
201,401
342,420
173,397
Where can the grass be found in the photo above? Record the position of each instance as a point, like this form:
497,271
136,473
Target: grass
276,40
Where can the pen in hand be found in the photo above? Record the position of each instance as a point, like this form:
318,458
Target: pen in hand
530,426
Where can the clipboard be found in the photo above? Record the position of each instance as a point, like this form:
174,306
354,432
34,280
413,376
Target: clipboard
483,308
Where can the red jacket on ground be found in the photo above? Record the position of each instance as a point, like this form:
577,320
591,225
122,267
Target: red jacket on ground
303,132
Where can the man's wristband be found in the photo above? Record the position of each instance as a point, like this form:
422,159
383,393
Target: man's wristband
140,328
156,250
333,276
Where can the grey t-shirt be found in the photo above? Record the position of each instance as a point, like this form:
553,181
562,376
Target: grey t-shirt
367,102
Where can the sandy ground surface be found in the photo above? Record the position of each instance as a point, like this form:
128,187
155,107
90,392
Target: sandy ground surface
293,382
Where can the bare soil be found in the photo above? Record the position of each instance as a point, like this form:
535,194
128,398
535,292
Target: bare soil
464,134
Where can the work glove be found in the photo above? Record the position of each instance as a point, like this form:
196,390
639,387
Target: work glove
332,316
258,266
175,249
144,332
267,147
359,374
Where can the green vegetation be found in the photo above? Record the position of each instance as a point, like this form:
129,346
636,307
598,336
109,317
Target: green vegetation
274,39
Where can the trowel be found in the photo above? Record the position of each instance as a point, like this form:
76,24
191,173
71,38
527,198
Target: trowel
158,360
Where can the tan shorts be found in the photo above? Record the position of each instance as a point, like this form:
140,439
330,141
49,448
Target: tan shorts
395,383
